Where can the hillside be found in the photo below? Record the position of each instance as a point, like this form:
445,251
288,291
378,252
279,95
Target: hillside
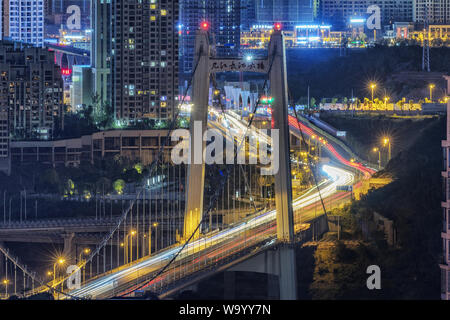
329,75
410,269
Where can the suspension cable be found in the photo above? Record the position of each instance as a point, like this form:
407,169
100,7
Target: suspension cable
215,196
309,161
240,165
31,274
154,164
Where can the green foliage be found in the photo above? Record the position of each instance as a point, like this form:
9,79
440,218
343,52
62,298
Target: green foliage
119,185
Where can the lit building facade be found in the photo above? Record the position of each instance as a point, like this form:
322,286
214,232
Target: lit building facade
101,49
287,12
339,12
32,91
303,35
435,11
26,22
445,234
437,34
224,18
140,145
81,88
144,59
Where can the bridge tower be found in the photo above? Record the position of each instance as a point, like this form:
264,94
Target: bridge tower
283,179
196,172
196,168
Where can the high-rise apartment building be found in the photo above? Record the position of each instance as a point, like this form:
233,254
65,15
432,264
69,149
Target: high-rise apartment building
435,11
101,49
224,18
287,12
26,21
144,58
32,90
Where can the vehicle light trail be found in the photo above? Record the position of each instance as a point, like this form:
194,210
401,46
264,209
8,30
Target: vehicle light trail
212,245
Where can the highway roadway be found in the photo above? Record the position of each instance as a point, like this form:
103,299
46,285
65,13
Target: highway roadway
215,246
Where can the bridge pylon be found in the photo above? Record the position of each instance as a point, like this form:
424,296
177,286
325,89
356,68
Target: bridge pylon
204,66
283,179
198,125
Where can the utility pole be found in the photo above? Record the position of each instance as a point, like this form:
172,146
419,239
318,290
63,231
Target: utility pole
308,99
426,42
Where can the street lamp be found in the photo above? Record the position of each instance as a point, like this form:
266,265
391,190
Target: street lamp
85,251
60,261
6,282
131,234
379,156
386,99
432,86
155,225
372,87
387,142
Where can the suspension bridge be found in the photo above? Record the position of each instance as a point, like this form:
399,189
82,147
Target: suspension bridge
232,213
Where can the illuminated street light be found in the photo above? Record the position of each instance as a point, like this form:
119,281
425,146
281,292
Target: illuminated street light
432,86
379,156
6,282
387,142
59,261
372,87
85,251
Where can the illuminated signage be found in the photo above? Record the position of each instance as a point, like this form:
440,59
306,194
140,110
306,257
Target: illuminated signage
222,65
66,72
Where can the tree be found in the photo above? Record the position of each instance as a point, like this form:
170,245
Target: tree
69,187
138,167
119,185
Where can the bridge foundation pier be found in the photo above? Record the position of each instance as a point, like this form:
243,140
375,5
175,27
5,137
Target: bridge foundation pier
231,286
69,248
278,264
